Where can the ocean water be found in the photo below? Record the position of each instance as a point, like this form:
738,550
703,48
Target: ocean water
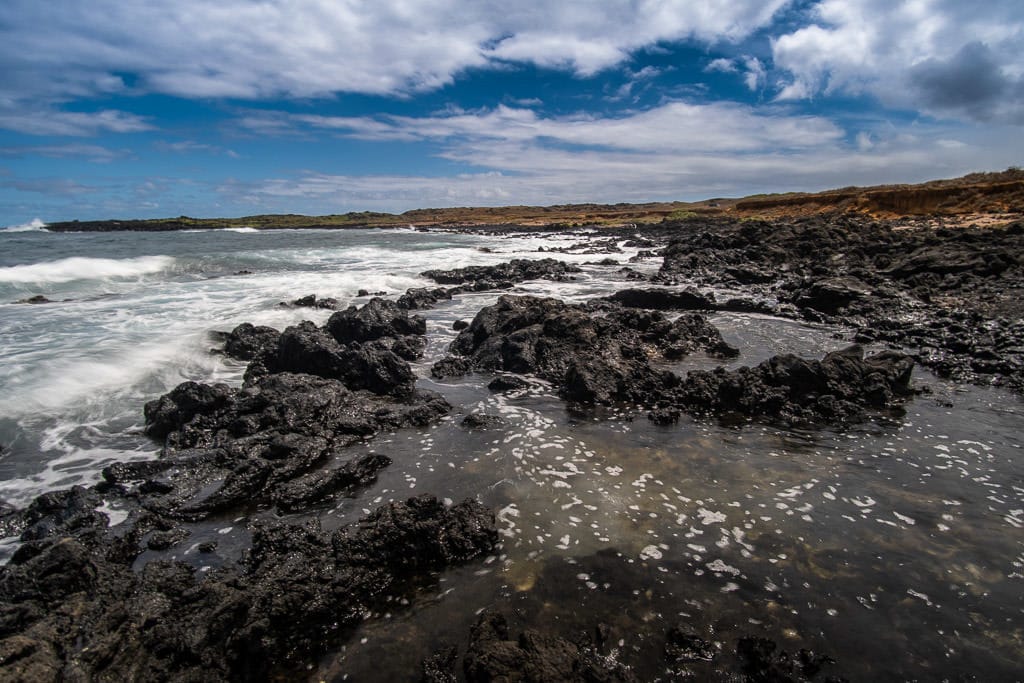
896,547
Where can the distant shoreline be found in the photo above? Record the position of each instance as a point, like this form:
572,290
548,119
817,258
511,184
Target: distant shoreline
988,197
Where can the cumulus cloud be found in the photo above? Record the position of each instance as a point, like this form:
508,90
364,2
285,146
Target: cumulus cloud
944,57
722,64
301,48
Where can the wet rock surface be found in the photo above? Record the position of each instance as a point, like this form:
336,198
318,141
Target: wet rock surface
504,274
949,296
247,341
604,358
74,604
483,278
312,301
261,437
590,358
69,611
839,389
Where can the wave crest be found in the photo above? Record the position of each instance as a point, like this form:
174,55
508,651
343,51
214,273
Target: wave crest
83,268
34,224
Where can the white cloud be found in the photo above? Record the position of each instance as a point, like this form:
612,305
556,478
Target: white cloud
192,147
677,151
54,122
534,175
722,64
675,126
945,57
95,153
245,49
755,75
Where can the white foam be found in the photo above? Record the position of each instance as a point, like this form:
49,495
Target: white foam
84,268
34,224
651,552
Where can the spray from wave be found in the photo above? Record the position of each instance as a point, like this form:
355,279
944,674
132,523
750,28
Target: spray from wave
82,268
34,224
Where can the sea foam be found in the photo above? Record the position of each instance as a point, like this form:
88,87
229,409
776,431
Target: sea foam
83,268
34,224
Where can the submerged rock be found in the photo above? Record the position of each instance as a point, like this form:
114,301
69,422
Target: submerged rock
481,421
534,657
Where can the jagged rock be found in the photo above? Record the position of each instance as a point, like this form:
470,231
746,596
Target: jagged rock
162,540
307,349
835,390
664,299
258,439
175,409
71,612
831,295
316,486
760,662
247,341
451,366
419,298
516,270
592,359
376,319
311,301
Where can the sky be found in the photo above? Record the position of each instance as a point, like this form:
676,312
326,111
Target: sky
149,108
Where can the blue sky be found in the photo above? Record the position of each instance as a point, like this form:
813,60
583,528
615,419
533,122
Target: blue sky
142,108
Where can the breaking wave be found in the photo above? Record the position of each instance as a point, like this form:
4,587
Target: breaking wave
34,224
82,268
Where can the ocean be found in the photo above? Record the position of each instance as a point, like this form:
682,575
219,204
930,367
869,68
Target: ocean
903,539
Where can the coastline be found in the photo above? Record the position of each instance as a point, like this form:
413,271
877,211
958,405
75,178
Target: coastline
948,300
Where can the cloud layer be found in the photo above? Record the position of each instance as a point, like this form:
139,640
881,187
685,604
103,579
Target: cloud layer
943,57
302,48
244,106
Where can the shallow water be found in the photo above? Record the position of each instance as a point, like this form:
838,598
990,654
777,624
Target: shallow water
896,547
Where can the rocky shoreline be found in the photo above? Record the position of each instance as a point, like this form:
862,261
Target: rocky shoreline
77,603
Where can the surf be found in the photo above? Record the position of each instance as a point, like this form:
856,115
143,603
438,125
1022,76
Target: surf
84,268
